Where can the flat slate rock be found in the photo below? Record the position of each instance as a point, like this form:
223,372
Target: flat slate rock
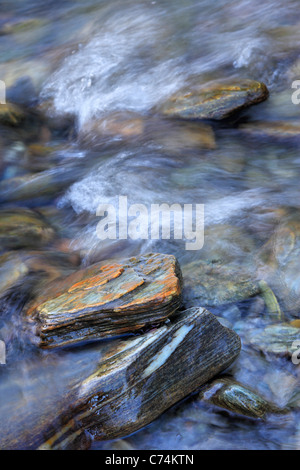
114,388
215,100
108,299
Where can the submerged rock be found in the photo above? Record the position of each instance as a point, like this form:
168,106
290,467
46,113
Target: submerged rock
119,125
213,284
107,300
41,185
11,114
278,265
233,396
115,389
179,137
23,228
215,100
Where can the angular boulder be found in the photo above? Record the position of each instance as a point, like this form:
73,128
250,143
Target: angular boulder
23,228
215,100
108,299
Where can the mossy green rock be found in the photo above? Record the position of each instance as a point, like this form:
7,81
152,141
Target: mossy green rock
216,100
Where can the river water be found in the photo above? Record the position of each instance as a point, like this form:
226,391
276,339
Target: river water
110,62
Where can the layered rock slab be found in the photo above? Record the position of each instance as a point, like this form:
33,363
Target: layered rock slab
107,299
215,100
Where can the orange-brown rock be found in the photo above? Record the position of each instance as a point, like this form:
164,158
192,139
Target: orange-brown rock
107,299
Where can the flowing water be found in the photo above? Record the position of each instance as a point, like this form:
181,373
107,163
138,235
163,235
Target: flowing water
104,63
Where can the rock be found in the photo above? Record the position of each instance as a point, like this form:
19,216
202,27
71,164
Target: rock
22,92
278,265
213,284
295,323
45,184
17,266
284,131
12,272
162,368
178,138
274,339
21,25
119,125
11,114
23,228
115,389
108,299
34,407
216,100
231,395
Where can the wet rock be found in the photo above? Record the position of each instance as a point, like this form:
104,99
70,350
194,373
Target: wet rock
115,389
15,266
12,272
231,395
216,100
22,92
108,299
274,339
278,265
178,138
23,228
271,302
162,368
11,114
284,131
213,284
